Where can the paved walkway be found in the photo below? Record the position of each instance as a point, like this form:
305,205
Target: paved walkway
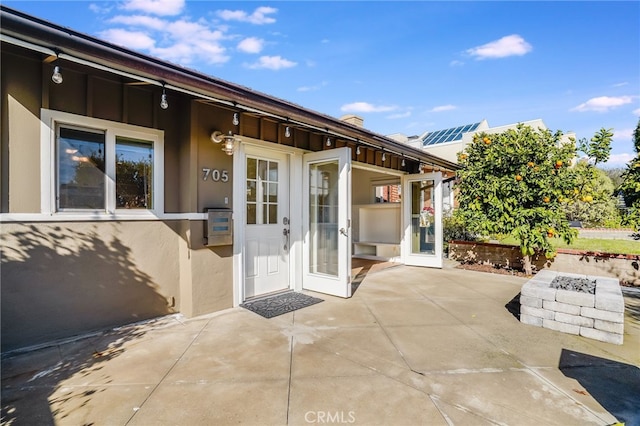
413,346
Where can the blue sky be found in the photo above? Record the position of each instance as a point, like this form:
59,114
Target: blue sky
405,67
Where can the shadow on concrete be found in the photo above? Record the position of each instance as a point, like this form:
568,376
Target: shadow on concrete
32,381
632,304
513,306
615,385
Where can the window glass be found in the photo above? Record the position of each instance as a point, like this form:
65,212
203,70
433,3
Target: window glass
262,192
81,172
134,174
389,193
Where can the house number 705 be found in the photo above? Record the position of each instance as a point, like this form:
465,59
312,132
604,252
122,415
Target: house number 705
215,174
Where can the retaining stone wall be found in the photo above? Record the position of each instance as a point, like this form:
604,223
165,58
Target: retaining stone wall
623,267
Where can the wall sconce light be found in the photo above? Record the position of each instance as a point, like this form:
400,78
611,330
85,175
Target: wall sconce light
358,150
228,141
236,120
56,77
287,132
328,141
164,104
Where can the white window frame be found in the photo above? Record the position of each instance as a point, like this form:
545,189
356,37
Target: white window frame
51,119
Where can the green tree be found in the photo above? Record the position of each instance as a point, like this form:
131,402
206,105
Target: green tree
615,174
595,203
599,147
514,182
631,184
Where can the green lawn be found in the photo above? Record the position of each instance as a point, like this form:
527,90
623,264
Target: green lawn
592,244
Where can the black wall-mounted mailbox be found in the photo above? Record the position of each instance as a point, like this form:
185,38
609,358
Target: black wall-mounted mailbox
220,227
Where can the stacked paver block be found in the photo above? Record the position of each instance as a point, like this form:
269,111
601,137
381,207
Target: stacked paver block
597,316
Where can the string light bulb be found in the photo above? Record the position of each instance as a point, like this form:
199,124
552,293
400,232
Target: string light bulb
56,77
403,163
328,141
236,120
287,132
358,150
384,156
164,104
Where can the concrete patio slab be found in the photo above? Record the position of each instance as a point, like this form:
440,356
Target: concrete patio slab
412,346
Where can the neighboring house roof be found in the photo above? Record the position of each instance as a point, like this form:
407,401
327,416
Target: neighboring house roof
446,143
54,40
448,135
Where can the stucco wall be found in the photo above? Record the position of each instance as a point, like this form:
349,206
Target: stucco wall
64,279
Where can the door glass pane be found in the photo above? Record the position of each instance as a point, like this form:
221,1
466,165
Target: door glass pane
81,172
134,174
323,218
423,228
262,192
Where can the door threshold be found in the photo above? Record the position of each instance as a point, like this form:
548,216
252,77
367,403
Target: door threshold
267,295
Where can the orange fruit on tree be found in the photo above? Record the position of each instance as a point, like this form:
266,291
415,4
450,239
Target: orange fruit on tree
486,140
558,164
518,178
546,199
530,164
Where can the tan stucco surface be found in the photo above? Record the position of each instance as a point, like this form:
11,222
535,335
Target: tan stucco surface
62,279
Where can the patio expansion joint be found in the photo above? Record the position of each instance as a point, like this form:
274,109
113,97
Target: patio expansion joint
167,372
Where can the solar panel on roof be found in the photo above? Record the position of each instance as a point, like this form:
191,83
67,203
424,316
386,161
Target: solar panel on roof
448,135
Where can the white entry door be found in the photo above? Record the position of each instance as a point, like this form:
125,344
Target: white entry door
422,219
266,245
326,219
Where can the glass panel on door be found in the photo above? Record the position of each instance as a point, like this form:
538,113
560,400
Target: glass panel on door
323,218
423,225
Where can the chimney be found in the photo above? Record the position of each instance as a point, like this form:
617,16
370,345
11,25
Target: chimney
353,119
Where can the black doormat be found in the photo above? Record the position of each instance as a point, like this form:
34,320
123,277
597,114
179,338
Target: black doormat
283,303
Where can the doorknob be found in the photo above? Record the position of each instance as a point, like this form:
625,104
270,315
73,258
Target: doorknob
344,232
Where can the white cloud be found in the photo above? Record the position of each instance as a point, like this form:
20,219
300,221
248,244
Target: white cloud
140,21
618,160
603,103
624,83
99,9
623,134
456,63
399,115
258,17
443,108
511,45
366,107
636,112
155,7
312,88
272,63
251,45
130,39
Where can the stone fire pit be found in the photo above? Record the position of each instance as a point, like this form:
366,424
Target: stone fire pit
598,315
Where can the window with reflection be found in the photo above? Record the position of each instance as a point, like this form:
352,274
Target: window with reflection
81,169
134,174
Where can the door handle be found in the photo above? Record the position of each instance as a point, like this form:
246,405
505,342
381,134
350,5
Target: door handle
344,232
